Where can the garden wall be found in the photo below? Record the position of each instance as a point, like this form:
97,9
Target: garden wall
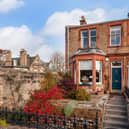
86,109
16,86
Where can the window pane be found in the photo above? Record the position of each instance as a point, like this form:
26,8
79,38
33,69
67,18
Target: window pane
93,38
93,42
84,38
116,63
93,33
115,35
86,72
86,77
118,39
85,42
75,79
99,72
86,65
84,33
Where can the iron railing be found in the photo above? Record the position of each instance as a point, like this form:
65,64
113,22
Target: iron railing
37,121
127,91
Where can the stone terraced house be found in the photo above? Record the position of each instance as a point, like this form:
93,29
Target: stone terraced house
97,55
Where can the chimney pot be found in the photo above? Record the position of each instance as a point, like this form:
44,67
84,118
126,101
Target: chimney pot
83,21
128,15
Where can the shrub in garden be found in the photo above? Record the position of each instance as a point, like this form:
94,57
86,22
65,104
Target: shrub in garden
69,108
41,101
49,80
68,87
82,94
3,123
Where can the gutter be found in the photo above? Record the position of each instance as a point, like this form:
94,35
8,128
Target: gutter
97,23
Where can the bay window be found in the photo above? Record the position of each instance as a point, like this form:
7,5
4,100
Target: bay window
115,33
86,72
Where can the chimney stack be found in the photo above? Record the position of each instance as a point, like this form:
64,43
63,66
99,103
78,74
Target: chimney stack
8,59
83,21
23,57
128,15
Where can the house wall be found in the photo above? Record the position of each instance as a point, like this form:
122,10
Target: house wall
37,65
73,42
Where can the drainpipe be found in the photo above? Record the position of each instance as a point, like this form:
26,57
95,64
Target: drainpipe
68,47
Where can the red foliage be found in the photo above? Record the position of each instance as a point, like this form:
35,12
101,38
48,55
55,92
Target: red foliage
40,101
68,87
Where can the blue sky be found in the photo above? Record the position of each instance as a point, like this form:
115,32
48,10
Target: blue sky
38,25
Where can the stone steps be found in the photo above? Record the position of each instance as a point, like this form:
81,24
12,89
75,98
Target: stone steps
123,118
115,124
112,106
115,113
114,127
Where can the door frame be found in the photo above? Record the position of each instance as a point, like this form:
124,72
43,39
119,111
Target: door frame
121,75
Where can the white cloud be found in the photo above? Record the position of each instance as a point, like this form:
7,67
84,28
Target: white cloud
51,37
15,38
7,5
56,23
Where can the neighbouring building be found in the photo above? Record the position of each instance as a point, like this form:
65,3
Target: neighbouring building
24,62
97,55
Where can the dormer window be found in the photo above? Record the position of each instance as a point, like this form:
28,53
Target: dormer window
84,39
93,38
115,38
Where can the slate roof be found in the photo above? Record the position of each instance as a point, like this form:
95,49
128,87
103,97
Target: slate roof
86,51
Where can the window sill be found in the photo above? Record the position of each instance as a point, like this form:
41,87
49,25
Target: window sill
114,46
98,83
85,84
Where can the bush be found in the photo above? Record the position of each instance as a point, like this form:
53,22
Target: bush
81,94
49,81
3,123
69,108
41,101
68,87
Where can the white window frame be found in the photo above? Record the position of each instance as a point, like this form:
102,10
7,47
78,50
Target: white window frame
82,41
101,73
80,72
115,28
75,73
92,36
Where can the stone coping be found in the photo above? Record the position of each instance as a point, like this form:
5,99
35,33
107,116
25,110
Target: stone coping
96,102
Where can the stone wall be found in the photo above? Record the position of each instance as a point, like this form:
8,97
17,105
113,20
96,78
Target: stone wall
16,86
84,109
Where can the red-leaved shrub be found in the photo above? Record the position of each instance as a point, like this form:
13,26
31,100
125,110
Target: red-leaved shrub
40,101
69,88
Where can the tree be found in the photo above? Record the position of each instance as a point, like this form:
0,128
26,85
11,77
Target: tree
58,62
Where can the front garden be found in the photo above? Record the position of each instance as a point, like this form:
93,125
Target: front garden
58,95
